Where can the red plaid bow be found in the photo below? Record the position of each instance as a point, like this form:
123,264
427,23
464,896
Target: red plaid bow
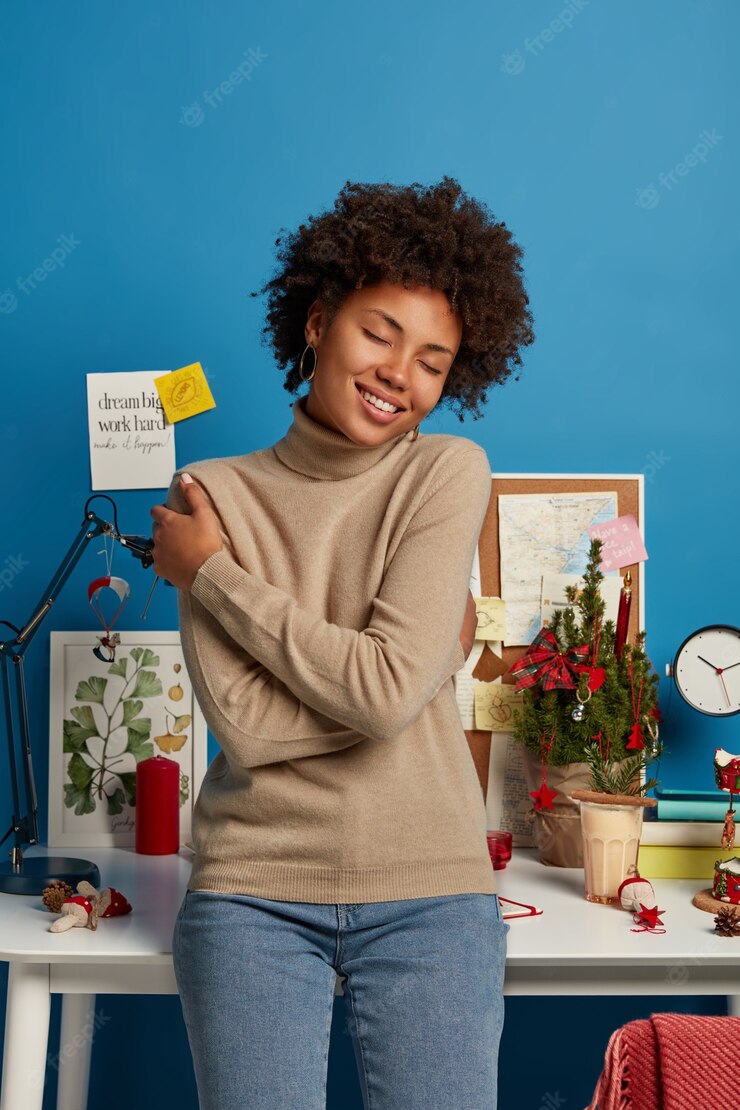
547,664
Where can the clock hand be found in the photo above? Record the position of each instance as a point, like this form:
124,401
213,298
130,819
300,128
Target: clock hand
721,678
731,666
717,669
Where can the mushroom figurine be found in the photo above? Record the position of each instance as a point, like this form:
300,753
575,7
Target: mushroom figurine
110,902
77,911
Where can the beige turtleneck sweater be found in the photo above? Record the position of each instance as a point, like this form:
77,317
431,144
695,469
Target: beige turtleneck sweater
321,642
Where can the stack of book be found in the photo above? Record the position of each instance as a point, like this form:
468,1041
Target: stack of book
691,805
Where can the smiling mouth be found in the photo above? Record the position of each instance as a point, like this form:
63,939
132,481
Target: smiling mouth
363,389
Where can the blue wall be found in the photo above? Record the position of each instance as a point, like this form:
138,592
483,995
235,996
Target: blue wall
573,122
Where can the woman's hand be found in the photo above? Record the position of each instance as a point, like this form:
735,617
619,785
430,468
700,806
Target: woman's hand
470,624
182,541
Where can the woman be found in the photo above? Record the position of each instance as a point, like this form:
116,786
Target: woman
322,585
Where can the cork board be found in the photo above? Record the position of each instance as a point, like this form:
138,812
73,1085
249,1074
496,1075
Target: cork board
630,500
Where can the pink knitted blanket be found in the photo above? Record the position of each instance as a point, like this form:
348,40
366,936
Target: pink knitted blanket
670,1062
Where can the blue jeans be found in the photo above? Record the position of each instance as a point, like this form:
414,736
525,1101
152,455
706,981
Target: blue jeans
423,998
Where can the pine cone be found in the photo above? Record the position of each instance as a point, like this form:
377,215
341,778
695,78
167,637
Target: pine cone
54,894
727,922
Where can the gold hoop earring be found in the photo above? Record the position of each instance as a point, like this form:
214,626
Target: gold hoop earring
415,434
300,365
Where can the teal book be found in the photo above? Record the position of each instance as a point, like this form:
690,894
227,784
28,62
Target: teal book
691,805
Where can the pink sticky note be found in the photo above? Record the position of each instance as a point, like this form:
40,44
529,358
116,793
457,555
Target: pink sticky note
622,543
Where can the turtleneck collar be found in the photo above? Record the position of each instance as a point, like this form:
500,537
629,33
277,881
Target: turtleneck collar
312,449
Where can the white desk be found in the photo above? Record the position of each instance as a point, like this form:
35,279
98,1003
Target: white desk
574,947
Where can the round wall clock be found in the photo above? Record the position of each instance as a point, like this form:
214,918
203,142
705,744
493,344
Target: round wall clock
706,670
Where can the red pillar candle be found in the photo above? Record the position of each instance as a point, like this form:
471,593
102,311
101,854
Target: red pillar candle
623,615
157,806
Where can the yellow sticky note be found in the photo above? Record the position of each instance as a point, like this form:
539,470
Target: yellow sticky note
494,706
491,618
184,392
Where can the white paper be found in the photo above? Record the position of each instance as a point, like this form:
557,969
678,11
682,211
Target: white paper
475,586
465,686
543,534
132,445
507,795
553,595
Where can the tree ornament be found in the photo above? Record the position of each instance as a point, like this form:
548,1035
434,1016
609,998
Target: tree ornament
543,796
596,678
547,665
727,922
106,651
647,918
727,839
651,725
579,711
636,739
727,777
637,895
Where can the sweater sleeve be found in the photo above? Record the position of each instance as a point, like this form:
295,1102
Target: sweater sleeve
378,680
274,723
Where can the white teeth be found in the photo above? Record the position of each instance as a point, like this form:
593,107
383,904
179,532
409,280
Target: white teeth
382,405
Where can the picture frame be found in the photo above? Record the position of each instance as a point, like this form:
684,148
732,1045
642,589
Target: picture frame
94,750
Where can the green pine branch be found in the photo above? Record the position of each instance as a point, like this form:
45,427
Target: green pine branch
609,711
608,777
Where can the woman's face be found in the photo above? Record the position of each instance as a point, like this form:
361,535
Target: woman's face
395,343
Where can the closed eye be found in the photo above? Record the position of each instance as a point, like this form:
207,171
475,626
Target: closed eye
378,339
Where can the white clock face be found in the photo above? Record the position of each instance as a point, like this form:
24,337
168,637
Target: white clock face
707,670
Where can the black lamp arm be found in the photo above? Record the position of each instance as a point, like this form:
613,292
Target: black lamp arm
25,828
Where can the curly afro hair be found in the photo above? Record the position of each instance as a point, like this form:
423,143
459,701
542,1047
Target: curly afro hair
435,236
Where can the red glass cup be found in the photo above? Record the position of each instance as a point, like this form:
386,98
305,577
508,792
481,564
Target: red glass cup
499,848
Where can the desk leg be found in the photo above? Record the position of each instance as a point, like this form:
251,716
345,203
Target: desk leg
75,1050
733,1005
26,1037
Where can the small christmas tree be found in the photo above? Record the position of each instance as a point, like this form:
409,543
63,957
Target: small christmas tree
612,698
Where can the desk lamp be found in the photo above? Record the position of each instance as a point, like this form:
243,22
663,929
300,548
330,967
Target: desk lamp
31,875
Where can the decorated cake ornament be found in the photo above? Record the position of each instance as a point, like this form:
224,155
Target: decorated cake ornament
726,885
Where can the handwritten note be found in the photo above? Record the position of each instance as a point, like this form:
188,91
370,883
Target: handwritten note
184,392
131,444
494,706
508,804
622,543
491,618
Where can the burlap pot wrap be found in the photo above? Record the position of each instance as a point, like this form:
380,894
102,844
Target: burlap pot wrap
557,832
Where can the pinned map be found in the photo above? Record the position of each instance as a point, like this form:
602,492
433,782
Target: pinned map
543,534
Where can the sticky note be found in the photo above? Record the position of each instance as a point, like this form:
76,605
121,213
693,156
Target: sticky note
491,618
184,392
494,706
622,543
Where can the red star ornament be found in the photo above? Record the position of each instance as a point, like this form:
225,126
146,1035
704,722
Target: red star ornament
596,679
648,915
543,797
636,739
